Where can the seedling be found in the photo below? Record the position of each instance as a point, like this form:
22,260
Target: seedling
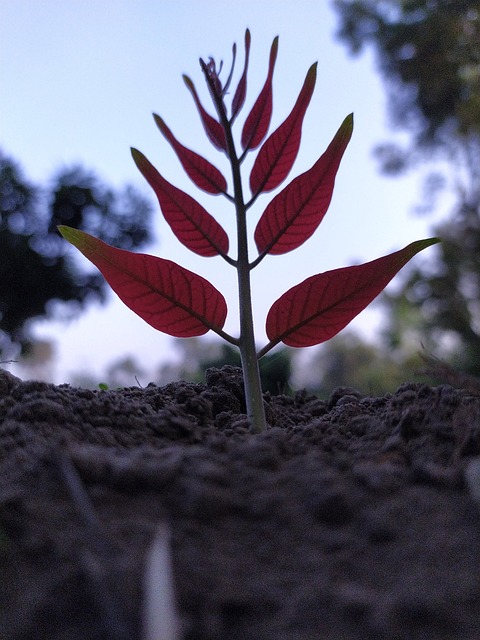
183,304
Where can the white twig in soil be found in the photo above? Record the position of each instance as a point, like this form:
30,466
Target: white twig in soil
160,617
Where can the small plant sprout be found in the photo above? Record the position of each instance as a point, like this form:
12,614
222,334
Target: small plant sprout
183,304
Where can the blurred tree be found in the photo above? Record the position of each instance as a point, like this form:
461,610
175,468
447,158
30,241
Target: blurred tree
349,360
198,355
428,52
125,372
441,302
36,270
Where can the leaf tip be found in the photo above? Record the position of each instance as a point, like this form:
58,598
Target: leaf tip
312,74
139,159
347,125
74,236
63,230
187,81
160,122
274,50
428,242
136,155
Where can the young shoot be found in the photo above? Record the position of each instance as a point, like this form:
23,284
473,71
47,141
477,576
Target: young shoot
181,303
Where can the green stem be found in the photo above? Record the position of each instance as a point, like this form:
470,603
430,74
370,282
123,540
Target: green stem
246,342
251,372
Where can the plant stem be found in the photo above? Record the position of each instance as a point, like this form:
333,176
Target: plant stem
251,372
248,354
246,342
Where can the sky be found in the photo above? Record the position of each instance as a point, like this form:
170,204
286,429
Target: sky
80,80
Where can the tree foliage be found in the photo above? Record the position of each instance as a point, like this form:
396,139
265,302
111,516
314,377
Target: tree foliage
428,52
447,297
36,270
349,360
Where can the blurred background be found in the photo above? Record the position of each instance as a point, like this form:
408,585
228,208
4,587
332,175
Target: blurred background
80,80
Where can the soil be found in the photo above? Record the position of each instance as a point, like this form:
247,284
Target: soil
347,518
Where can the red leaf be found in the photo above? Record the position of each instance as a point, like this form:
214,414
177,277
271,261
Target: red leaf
278,153
295,213
167,296
239,97
198,169
193,226
257,123
319,307
212,127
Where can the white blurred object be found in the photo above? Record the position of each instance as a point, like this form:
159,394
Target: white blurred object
160,617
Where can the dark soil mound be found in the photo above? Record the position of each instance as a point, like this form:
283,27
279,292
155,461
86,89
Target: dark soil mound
345,519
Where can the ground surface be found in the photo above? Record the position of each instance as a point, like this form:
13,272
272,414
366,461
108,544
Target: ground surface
346,519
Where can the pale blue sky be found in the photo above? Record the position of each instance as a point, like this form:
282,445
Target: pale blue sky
79,82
